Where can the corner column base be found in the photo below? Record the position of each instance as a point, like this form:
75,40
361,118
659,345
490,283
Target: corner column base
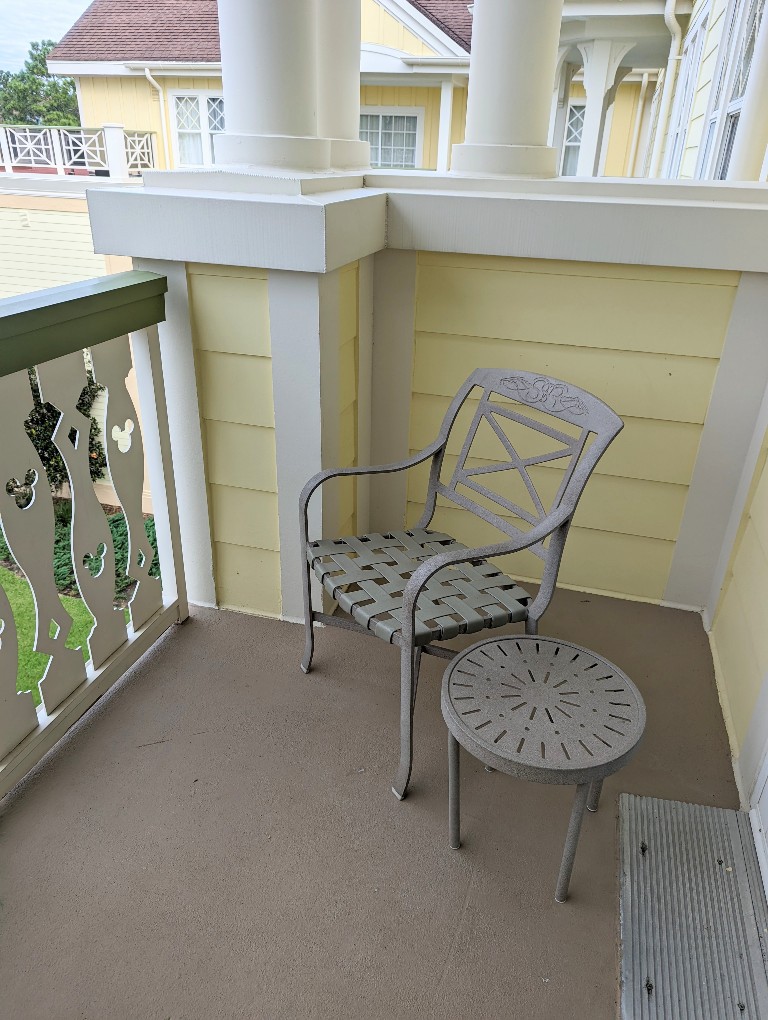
477,160
284,152
350,154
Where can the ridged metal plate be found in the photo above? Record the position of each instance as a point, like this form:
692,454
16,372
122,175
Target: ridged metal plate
694,920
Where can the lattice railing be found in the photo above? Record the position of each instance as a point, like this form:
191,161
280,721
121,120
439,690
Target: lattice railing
48,329
64,150
140,150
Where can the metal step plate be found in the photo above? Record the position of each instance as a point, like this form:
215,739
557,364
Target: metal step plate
694,919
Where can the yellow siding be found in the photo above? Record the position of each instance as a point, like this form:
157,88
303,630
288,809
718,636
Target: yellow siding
459,119
426,98
230,321
45,243
130,101
134,103
739,634
625,110
600,327
380,28
348,374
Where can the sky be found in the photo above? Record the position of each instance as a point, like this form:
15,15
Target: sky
26,21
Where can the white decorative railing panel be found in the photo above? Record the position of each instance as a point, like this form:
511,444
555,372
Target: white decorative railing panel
122,629
67,150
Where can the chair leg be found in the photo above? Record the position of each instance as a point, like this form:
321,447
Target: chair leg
409,662
454,793
309,643
594,796
531,626
571,842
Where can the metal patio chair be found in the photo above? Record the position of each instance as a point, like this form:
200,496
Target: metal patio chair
412,587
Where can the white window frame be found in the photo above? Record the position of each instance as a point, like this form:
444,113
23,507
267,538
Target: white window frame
572,105
207,135
685,92
716,122
402,111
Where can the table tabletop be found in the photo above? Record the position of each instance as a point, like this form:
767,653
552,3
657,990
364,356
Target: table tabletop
542,709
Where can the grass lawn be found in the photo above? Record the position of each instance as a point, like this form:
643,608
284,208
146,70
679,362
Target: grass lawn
31,663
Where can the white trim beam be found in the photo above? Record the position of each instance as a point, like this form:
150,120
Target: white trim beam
740,386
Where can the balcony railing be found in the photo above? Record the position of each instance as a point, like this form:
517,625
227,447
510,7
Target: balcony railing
48,330
108,151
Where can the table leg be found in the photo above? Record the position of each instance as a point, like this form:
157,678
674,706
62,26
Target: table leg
594,795
571,841
454,790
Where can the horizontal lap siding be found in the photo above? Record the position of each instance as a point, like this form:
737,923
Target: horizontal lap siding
646,340
41,248
230,317
740,634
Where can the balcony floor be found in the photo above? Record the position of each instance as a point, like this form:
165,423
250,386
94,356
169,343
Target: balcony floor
218,838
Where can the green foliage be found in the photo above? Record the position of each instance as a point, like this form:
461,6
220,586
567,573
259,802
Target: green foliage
40,426
33,96
62,554
31,663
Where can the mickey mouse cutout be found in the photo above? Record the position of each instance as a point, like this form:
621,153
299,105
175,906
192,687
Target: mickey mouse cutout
123,436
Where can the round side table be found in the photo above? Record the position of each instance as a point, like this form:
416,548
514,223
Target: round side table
544,710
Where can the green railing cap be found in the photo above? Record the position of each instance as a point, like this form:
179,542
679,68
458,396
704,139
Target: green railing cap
48,324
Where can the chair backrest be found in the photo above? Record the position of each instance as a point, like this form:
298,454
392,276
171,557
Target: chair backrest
524,428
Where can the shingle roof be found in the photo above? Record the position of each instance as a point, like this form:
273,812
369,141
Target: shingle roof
452,16
173,30
188,30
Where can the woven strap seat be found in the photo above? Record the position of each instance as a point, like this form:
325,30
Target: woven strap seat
366,575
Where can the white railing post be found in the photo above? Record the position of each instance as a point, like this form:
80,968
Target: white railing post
5,151
57,150
114,146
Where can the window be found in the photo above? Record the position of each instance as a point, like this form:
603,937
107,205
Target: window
736,51
684,93
574,127
196,119
394,137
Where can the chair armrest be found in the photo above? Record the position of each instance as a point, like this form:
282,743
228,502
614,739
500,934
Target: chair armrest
402,465
420,577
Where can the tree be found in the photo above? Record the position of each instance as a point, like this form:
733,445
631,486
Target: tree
33,96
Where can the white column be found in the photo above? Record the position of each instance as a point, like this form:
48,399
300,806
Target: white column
511,76
338,82
446,124
269,72
114,147
601,63
752,133
5,152
185,429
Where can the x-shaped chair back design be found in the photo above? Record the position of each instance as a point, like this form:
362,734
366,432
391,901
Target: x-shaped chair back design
414,587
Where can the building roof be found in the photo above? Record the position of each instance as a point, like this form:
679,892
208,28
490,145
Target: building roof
188,30
452,16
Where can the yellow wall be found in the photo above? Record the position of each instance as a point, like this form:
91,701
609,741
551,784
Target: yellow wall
645,339
739,633
459,119
625,111
427,98
45,243
234,369
622,124
134,103
348,387
381,28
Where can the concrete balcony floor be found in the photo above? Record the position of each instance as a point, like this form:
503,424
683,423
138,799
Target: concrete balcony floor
218,838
